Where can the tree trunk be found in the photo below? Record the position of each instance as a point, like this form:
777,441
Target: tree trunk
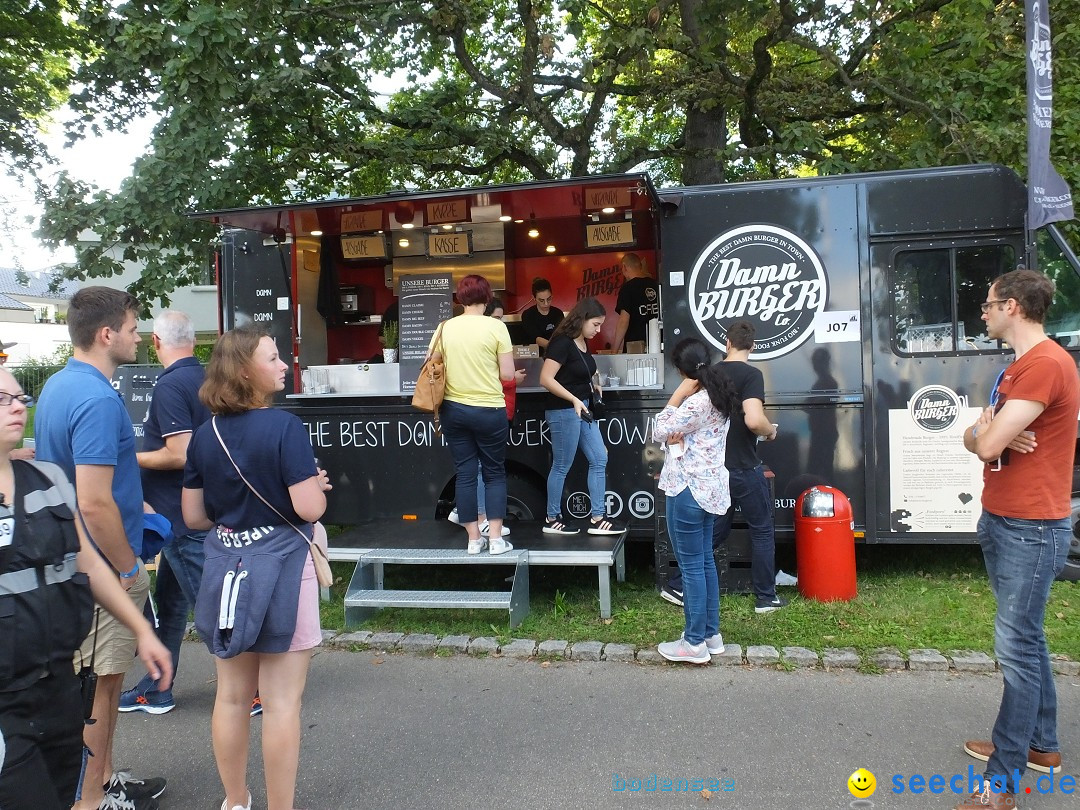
703,135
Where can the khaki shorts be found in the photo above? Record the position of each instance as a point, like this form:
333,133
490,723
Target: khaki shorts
115,643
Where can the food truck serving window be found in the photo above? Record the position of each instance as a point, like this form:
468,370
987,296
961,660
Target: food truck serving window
936,294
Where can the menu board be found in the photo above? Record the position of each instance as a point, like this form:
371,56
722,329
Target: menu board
424,301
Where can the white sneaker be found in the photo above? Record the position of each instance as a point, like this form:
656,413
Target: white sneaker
681,651
476,546
485,529
499,546
225,804
453,516
715,644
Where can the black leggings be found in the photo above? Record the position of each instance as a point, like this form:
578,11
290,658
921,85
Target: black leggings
42,729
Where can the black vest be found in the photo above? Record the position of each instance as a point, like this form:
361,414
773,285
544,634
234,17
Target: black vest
45,604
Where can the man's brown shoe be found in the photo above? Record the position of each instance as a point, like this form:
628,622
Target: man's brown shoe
986,798
1045,762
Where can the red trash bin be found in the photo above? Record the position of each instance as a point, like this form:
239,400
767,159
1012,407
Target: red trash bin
825,545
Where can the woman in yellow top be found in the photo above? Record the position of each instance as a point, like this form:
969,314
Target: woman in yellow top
478,356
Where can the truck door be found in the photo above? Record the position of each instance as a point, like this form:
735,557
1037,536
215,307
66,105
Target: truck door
787,257
933,370
256,288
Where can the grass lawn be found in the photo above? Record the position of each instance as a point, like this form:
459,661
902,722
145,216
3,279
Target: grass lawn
909,597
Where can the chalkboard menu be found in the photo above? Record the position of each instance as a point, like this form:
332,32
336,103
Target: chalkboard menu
424,301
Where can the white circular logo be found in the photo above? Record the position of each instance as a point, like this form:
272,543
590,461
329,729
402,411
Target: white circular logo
934,408
641,504
764,274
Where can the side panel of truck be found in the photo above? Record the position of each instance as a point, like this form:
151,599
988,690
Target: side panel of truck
815,390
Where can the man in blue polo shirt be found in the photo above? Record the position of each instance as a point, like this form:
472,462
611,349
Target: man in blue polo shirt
175,412
81,425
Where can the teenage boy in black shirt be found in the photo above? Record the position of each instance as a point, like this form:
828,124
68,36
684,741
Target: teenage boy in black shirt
540,320
746,474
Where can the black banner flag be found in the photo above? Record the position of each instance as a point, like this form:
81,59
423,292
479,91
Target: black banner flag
1049,198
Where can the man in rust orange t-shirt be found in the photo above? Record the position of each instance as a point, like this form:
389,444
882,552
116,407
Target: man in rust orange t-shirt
1027,437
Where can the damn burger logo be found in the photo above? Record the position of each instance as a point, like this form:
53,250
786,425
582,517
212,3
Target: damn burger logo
764,274
934,408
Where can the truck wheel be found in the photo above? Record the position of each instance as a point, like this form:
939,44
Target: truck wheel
524,501
1071,571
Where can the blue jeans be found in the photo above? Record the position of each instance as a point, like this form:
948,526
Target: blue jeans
691,530
477,436
750,492
178,578
1022,558
569,433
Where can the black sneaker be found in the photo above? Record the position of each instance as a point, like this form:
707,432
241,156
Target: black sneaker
556,526
769,605
114,802
605,526
672,595
124,786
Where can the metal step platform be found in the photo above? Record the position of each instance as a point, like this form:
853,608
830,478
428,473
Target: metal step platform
419,537
366,595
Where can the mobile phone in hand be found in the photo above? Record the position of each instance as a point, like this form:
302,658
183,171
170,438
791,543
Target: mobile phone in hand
586,416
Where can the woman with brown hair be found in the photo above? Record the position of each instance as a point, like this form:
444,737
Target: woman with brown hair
257,608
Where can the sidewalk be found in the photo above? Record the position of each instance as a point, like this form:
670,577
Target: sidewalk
406,731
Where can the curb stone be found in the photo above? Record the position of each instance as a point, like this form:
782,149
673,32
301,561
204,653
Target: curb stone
799,657
356,637
761,654
618,652
554,649
457,644
485,645
419,643
385,641
840,658
586,651
885,658
927,661
519,648
732,656
971,661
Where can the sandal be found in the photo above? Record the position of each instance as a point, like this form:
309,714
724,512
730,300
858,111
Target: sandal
556,526
605,526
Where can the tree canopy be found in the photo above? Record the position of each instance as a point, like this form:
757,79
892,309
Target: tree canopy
266,101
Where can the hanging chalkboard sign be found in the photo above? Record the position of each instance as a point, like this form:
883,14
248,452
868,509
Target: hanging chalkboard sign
424,301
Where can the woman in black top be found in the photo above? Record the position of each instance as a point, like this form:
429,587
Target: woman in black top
567,374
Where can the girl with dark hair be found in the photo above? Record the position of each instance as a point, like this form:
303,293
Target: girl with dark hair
693,428
479,358
567,374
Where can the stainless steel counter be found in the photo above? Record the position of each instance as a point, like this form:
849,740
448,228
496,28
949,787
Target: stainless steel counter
634,372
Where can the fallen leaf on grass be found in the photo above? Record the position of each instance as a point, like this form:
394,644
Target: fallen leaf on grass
1064,603
607,621
1060,615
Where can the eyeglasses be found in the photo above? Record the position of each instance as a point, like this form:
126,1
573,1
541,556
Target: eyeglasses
6,399
985,305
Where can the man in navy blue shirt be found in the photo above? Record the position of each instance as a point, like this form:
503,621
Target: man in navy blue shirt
81,425
175,412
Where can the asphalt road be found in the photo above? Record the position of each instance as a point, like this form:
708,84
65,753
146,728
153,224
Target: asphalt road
402,731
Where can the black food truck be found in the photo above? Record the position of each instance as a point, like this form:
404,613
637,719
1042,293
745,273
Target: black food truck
864,289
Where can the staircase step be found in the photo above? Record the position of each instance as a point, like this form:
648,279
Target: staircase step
428,599
442,556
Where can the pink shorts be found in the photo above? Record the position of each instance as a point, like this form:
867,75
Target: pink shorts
308,630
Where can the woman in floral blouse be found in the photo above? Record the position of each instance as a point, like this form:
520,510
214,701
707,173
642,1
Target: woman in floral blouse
694,427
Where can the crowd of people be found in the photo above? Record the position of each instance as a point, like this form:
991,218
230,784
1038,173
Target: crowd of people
238,481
